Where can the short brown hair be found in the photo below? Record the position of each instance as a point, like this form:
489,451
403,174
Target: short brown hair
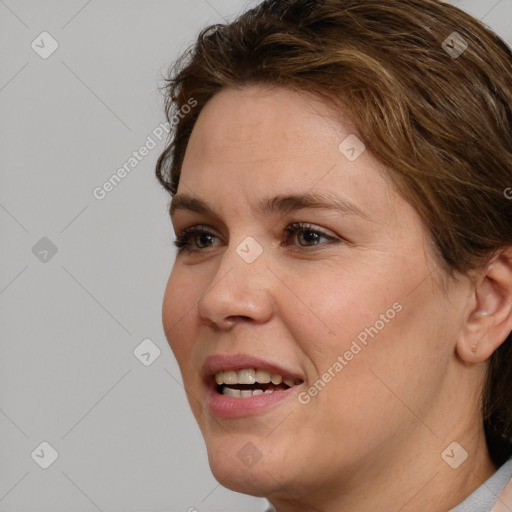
440,121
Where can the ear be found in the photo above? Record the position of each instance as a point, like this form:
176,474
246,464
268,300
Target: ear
489,322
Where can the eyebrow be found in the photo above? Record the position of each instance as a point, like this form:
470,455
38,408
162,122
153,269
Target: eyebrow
280,204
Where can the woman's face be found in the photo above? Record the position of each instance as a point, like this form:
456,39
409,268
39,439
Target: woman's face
308,267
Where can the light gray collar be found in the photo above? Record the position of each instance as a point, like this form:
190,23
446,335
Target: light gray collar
483,498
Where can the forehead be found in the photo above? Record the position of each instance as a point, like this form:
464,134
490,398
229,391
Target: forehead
239,120
252,140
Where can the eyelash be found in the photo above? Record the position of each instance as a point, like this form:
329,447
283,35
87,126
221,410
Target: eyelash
182,241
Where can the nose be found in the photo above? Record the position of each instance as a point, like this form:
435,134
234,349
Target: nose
238,292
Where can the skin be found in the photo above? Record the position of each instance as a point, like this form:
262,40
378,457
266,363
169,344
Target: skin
372,438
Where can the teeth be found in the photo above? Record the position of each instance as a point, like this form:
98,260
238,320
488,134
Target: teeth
247,376
230,377
235,393
250,376
262,376
276,379
245,393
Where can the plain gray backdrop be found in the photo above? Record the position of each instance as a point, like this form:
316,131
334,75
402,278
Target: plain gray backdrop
85,368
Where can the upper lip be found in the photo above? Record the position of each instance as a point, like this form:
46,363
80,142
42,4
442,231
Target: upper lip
235,362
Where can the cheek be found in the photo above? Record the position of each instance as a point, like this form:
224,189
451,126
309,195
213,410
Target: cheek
380,323
333,307
178,311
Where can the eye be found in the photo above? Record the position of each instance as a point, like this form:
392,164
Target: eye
200,238
195,238
307,235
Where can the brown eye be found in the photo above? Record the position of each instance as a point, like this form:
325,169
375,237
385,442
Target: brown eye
195,239
203,240
307,235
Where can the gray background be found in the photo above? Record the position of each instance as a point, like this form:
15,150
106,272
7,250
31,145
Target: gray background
70,321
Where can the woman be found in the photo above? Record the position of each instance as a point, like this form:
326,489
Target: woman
341,301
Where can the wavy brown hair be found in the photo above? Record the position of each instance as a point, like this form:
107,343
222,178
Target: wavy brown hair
441,124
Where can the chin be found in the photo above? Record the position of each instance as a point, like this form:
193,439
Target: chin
252,481
254,466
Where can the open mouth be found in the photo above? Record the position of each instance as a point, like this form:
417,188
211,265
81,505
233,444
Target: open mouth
249,382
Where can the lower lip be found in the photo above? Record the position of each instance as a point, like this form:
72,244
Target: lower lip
223,406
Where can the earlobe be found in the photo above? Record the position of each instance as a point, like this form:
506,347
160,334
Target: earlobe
490,320
475,344
474,347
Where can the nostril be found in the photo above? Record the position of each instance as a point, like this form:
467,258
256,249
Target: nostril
239,317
